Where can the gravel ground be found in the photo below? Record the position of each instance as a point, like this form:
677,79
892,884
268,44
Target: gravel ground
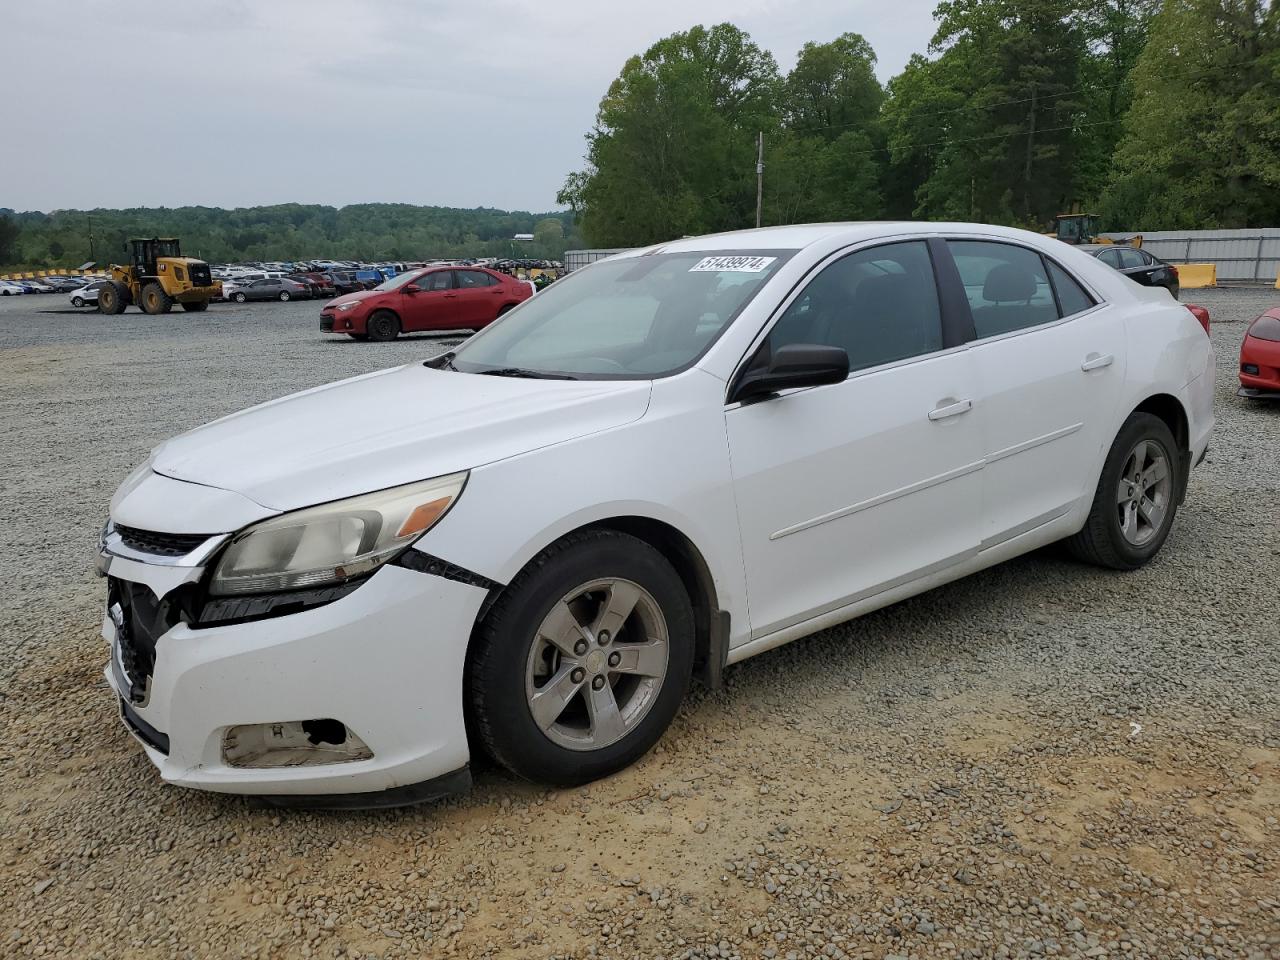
1041,760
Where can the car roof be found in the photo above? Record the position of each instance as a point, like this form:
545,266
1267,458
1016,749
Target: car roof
799,236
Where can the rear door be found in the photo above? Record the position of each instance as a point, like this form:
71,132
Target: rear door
479,297
1137,266
1050,362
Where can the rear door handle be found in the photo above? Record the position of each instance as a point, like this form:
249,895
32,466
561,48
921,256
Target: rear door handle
1096,361
950,408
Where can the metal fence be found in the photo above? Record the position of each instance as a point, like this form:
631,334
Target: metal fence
1249,255
574,259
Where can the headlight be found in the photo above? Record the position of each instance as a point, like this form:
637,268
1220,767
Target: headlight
333,542
351,305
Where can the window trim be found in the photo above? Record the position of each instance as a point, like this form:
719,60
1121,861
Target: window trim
1091,291
792,295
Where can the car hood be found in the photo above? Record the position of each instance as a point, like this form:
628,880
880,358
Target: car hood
388,428
355,297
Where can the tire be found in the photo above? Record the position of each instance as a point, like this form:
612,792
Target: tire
239,297
565,745
1120,533
382,326
75,301
196,306
285,296
505,309
154,300
112,298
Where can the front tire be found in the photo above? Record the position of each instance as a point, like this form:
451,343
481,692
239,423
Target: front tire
284,296
155,300
383,326
583,660
1136,499
239,297
112,298
75,301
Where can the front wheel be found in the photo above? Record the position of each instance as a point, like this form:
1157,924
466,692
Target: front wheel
239,297
583,660
112,298
284,296
75,301
1136,499
383,326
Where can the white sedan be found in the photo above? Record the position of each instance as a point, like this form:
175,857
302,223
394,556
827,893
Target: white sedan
663,464
10,289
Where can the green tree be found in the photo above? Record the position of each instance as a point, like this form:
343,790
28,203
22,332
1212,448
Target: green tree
1201,143
673,148
8,240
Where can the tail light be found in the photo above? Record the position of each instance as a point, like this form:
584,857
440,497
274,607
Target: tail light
1174,270
1201,314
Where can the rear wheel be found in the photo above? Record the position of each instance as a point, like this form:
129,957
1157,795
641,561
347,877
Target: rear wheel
383,325
583,660
196,306
1136,499
155,300
112,297
284,296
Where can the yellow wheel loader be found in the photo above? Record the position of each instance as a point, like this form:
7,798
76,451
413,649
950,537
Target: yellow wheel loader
156,277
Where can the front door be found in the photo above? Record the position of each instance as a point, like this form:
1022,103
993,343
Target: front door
848,490
430,305
1050,360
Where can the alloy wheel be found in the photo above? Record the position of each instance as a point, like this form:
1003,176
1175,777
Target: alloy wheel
597,664
1144,492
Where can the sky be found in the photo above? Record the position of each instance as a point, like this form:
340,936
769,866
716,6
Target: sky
236,103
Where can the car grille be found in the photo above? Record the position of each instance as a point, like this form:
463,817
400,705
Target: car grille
326,322
140,619
160,544
200,275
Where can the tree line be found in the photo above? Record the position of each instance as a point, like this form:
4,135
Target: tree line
370,232
1155,115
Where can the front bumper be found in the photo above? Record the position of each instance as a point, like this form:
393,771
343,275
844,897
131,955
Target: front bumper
340,322
386,660
196,294
1262,358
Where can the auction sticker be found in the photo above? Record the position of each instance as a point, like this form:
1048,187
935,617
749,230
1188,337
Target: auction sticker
732,264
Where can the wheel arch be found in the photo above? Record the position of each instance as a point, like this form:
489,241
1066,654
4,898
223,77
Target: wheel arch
711,623
1171,410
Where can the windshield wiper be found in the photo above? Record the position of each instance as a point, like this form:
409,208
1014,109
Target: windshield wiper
522,372
442,362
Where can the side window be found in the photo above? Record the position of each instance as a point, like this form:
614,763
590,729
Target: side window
879,304
1131,258
1111,258
470,279
1071,296
435,281
1006,286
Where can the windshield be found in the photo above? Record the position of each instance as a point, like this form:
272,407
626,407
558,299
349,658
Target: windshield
634,318
397,282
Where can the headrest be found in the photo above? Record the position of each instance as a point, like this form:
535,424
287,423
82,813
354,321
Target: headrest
1007,283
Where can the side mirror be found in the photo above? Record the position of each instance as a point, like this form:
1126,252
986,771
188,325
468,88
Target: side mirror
795,365
411,288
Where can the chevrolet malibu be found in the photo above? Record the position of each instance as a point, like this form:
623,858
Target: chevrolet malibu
663,464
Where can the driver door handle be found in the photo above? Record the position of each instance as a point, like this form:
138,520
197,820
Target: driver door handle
1096,361
950,408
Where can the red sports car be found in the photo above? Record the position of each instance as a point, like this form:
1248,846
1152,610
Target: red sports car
1260,357
437,298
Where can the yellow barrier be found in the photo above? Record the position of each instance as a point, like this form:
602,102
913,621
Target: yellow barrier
1192,275
1278,279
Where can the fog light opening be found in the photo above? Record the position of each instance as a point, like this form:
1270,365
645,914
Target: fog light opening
1249,368
294,743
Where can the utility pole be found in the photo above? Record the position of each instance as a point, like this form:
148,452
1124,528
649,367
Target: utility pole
1026,172
89,217
759,175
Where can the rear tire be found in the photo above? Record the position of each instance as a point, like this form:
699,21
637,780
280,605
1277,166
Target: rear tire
196,306
284,296
1136,499
112,297
597,719
382,326
155,300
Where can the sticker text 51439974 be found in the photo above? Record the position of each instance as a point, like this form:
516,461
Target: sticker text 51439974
732,264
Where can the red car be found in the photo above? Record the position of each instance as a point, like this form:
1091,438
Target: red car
437,298
1260,357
